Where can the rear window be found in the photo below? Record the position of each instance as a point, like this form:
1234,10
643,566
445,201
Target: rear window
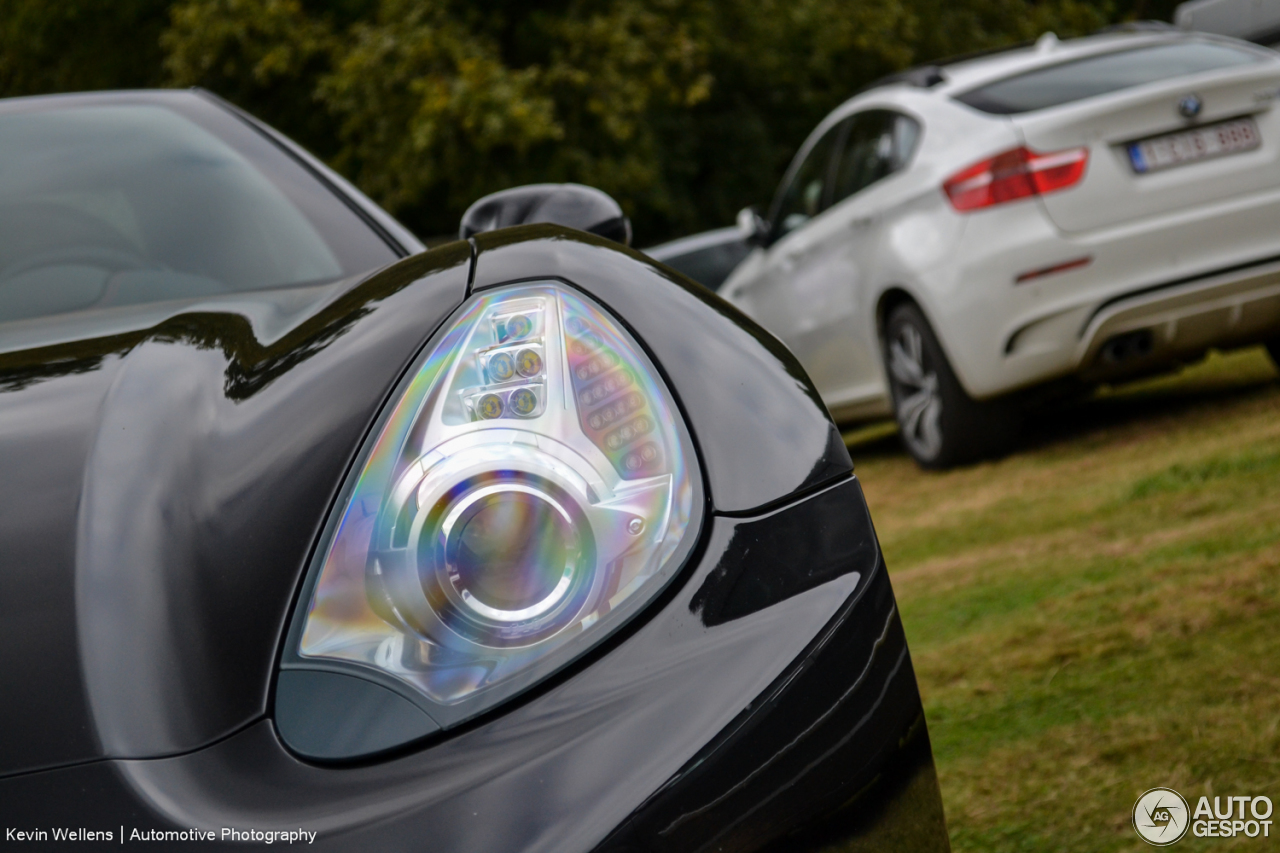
1101,75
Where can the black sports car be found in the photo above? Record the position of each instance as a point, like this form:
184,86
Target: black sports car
308,535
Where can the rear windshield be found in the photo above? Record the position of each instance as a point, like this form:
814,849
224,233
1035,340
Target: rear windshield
1101,75
121,204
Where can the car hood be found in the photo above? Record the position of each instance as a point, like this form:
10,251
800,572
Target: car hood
165,485
166,473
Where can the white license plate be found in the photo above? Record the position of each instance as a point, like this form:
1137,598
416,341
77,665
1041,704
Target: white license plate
1175,149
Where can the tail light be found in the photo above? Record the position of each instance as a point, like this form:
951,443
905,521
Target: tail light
1013,175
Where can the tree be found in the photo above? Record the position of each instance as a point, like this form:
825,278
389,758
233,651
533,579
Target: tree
79,45
684,110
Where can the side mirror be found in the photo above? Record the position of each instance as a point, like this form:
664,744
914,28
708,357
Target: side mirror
572,205
754,227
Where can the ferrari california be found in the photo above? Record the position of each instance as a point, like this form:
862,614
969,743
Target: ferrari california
309,535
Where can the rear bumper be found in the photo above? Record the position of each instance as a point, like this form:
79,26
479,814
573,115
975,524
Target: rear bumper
1182,318
1151,293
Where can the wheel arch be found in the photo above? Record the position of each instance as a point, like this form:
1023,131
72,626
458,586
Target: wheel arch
890,298
893,296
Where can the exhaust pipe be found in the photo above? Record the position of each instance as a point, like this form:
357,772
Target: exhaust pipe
1127,347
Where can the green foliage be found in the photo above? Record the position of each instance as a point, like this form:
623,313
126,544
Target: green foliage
684,110
263,55
79,45
430,115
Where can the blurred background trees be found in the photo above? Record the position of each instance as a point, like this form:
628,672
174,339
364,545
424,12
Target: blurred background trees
683,110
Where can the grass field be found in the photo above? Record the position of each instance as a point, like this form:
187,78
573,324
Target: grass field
1099,613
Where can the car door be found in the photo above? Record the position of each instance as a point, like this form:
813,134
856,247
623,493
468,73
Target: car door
821,270
762,290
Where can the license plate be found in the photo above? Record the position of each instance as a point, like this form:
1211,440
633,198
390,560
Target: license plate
1176,149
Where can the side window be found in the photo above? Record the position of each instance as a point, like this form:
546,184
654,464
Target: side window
806,196
880,142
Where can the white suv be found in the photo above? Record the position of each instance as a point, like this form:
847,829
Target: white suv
1096,208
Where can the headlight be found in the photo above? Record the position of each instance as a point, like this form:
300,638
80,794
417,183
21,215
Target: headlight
529,491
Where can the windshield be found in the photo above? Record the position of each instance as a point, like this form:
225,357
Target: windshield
104,205
1101,75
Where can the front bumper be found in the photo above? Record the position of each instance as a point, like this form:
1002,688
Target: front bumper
767,703
835,754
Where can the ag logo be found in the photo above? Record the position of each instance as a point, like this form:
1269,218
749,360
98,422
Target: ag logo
1160,816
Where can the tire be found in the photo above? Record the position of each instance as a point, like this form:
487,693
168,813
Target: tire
940,424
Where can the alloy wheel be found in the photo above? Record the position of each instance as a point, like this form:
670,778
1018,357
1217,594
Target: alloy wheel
916,398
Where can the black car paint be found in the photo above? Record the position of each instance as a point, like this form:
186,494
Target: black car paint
824,755
323,713
169,459
162,487
560,771
166,487
571,205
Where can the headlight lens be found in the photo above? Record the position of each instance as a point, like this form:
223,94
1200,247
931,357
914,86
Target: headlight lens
530,490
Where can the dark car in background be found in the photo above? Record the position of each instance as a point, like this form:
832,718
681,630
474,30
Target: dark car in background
522,543
707,257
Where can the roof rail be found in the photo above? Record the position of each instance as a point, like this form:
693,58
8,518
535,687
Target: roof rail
1140,27
921,77
928,76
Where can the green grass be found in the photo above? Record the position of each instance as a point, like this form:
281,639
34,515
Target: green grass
1099,613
